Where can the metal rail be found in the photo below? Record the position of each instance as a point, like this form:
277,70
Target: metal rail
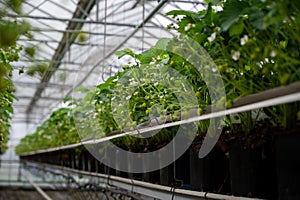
276,96
87,6
143,188
110,53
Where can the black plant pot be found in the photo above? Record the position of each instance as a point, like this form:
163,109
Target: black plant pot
287,149
209,174
121,163
182,170
181,178
167,175
252,171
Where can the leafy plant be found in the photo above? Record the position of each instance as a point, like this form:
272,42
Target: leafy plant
58,130
255,45
37,69
9,52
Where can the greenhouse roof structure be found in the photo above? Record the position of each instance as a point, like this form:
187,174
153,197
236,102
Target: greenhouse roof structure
73,44
149,99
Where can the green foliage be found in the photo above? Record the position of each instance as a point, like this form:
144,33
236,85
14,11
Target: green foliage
8,54
58,130
255,45
10,31
103,108
38,69
30,51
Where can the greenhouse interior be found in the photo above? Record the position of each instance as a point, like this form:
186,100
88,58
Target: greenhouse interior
149,99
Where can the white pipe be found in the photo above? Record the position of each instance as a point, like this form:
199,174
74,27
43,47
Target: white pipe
261,104
38,189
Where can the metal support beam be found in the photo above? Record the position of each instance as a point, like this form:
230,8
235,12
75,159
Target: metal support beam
38,189
60,52
25,106
42,85
78,20
110,53
135,186
35,98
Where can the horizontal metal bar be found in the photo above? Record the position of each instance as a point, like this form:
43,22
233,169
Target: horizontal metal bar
53,61
32,118
45,98
84,32
41,84
78,20
20,113
25,105
55,41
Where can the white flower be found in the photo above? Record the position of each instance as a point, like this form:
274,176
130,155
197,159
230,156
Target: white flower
273,53
136,93
244,40
128,97
212,37
156,84
189,26
236,55
133,83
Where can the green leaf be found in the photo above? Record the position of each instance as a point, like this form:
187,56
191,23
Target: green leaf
209,15
68,98
232,11
147,56
190,14
183,23
256,18
125,52
162,43
30,51
236,28
283,78
247,67
82,90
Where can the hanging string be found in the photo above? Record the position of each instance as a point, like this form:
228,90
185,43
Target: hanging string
143,27
104,36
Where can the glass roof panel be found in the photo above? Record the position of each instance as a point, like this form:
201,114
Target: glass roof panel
76,41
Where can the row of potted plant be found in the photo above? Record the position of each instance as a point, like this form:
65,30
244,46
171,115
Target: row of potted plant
58,130
252,53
